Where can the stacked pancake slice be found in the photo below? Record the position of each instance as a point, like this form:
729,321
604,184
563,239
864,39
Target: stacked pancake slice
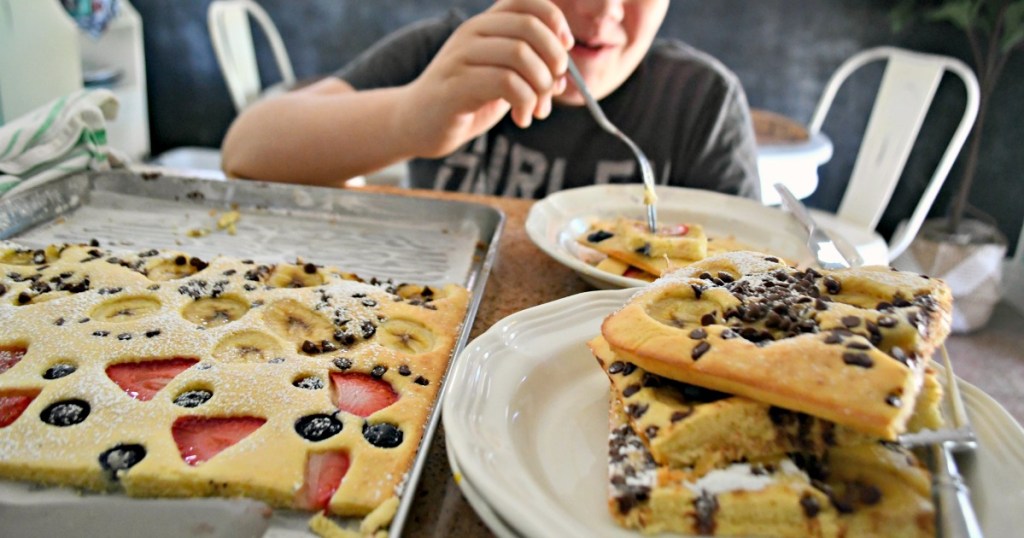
163,375
632,250
752,398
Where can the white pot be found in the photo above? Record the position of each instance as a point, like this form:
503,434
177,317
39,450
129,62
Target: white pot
971,262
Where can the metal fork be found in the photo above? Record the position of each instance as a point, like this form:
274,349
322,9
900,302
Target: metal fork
958,519
646,171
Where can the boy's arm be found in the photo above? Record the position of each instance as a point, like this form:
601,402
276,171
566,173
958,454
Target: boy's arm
322,134
510,59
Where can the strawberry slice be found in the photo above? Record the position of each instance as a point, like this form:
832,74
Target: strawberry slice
324,471
201,438
9,356
12,405
675,229
142,380
361,394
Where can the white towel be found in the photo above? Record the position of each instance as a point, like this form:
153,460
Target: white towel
64,136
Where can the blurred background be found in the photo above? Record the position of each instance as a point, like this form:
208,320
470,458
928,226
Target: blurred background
783,51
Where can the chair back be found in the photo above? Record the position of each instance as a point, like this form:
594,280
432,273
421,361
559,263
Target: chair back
231,34
904,96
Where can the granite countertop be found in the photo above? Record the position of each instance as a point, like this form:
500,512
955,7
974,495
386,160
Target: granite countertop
523,276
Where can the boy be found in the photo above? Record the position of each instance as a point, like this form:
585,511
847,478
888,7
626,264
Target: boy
460,99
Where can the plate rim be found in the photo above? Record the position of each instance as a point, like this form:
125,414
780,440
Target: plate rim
1002,429
545,211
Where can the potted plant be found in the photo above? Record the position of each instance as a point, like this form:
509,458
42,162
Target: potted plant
946,247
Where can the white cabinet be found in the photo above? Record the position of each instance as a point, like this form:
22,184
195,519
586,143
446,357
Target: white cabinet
119,49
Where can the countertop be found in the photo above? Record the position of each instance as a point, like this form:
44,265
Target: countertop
523,276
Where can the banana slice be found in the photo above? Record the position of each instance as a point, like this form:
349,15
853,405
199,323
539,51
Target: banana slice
247,346
125,309
423,293
295,276
405,336
215,311
170,269
291,320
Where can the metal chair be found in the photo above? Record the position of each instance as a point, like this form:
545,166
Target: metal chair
904,96
231,34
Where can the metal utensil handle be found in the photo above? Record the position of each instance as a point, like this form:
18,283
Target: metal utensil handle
795,207
646,172
957,517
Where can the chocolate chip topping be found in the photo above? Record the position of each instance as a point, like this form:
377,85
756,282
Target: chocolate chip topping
700,349
698,334
858,359
599,236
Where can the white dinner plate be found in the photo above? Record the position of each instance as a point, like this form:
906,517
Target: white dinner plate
555,222
526,415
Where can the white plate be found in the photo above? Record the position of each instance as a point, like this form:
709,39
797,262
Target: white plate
526,415
555,222
484,510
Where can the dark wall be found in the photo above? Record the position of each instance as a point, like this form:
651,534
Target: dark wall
783,51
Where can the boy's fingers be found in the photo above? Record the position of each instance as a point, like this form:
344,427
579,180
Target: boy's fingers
529,30
514,55
543,10
490,83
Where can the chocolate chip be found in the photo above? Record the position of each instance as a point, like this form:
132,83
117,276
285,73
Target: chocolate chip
772,259
616,367
832,285
343,363
420,380
858,359
698,334
680,415
121,458
697,291
707,319
309,268
651,432
810,505
700,349
644,250
404,370
180,260
152,333
124,336
628,369
858,345
310,348
637,411
886,321
898,354
850,321
728,334
631,390
834,338
101,333
893,400
379,371
599,236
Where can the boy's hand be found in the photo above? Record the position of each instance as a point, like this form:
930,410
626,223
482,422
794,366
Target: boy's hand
512,57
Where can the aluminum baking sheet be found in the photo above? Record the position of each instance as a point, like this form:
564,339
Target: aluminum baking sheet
407,239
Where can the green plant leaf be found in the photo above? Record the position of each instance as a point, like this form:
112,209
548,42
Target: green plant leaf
902,15
960,13
1013,26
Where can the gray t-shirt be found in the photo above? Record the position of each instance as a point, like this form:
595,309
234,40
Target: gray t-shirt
684,109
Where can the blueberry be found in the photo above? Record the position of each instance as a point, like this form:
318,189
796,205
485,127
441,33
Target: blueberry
121,458
309,383
317,427
383,435
59,370
65,413
193,398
